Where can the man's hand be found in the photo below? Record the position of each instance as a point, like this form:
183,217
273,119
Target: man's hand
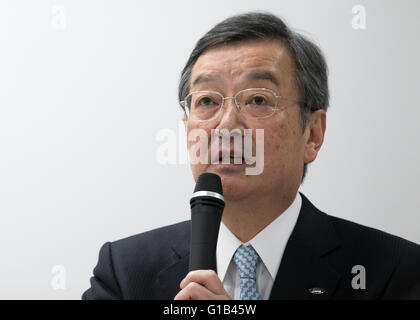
202,285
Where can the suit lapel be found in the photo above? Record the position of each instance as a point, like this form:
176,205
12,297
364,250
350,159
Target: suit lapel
303,273
169,278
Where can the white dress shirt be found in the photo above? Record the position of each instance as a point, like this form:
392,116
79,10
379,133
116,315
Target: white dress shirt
269,244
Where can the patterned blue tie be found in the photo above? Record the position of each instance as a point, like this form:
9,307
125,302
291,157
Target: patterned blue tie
246,259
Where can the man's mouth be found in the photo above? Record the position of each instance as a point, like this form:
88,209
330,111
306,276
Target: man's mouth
230,158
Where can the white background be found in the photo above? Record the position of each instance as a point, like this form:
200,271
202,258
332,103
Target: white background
82,100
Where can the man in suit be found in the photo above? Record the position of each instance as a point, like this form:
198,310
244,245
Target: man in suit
252,72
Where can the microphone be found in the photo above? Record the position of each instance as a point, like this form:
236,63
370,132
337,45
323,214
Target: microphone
207,204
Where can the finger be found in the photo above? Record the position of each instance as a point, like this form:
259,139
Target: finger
195,291
207,278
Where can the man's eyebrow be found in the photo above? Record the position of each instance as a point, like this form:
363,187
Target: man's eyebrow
205,78
257,75
262,75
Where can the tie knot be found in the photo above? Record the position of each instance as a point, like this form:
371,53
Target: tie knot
246,259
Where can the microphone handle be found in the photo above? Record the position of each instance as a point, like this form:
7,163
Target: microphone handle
206,215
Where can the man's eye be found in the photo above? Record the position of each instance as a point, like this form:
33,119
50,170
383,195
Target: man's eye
205,100
258,100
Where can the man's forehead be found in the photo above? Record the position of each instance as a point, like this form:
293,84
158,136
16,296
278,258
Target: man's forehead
257,60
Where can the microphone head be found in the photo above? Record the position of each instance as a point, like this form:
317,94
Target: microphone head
209,182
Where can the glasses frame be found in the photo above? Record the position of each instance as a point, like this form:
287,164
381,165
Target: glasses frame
275,108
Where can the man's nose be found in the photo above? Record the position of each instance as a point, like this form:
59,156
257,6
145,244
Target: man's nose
231,116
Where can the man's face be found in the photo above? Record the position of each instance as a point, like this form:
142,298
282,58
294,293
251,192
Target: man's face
227,70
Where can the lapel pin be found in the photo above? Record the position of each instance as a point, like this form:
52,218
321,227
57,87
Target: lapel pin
317,290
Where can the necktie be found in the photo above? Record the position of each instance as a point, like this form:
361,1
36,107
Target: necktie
246,259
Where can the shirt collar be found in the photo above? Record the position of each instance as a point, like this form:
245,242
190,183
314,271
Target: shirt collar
269,243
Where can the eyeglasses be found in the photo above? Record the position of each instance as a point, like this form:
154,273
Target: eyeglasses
256,103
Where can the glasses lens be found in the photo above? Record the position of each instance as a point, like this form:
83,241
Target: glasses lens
257,103
203,105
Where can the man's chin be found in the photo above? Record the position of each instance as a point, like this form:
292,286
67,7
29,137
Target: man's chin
234,181
235,187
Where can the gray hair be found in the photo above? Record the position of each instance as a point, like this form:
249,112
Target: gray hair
311,69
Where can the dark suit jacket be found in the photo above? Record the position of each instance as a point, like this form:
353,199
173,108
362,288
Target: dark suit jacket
321,252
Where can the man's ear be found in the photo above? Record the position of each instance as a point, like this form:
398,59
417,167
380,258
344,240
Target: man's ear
184,120
314,134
